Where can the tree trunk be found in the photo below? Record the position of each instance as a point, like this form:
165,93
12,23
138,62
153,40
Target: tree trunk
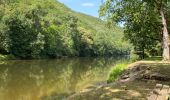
165,37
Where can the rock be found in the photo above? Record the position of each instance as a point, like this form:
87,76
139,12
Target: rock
125,77
124,80
159,77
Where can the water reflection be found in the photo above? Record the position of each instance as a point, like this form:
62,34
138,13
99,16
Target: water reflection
36,79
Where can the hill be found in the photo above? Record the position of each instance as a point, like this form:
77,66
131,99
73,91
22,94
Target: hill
38,29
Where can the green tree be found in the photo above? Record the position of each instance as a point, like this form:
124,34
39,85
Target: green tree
143,25
25,34
161,7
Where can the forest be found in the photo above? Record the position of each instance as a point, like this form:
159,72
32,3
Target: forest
33,29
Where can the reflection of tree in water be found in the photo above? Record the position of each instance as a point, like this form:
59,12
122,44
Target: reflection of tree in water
27,78
39,78
84,70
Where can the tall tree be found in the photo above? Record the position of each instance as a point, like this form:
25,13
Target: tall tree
161,5
142,20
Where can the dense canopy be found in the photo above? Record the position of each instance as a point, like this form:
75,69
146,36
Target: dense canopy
47,29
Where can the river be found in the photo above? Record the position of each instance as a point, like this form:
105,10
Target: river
40,79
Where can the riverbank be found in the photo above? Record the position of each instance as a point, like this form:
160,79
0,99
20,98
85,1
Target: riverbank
135,83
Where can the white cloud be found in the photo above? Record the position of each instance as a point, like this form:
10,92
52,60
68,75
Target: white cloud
88,4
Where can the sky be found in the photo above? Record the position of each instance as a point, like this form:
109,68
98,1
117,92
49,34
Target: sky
89,7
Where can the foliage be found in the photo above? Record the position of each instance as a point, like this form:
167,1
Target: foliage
25,37
46,28
142,23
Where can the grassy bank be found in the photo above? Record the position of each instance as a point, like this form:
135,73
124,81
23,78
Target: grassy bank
118,69
116,72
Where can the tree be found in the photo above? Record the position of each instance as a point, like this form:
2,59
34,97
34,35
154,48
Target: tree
142,21
162,6
25,33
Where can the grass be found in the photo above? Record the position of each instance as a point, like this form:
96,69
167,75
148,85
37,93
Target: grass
116,71
155,58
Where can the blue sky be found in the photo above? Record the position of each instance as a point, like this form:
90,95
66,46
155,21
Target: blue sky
89,7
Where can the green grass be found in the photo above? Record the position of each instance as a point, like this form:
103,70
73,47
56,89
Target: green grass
116,72
154,58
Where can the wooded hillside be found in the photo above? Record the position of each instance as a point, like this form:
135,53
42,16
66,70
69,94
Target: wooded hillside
48,29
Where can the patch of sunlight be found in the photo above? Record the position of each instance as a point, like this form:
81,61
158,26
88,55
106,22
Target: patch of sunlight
123,86
106,88
116,99
115,90
108,93
134,93
85,90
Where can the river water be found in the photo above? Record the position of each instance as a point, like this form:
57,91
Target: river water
40,79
